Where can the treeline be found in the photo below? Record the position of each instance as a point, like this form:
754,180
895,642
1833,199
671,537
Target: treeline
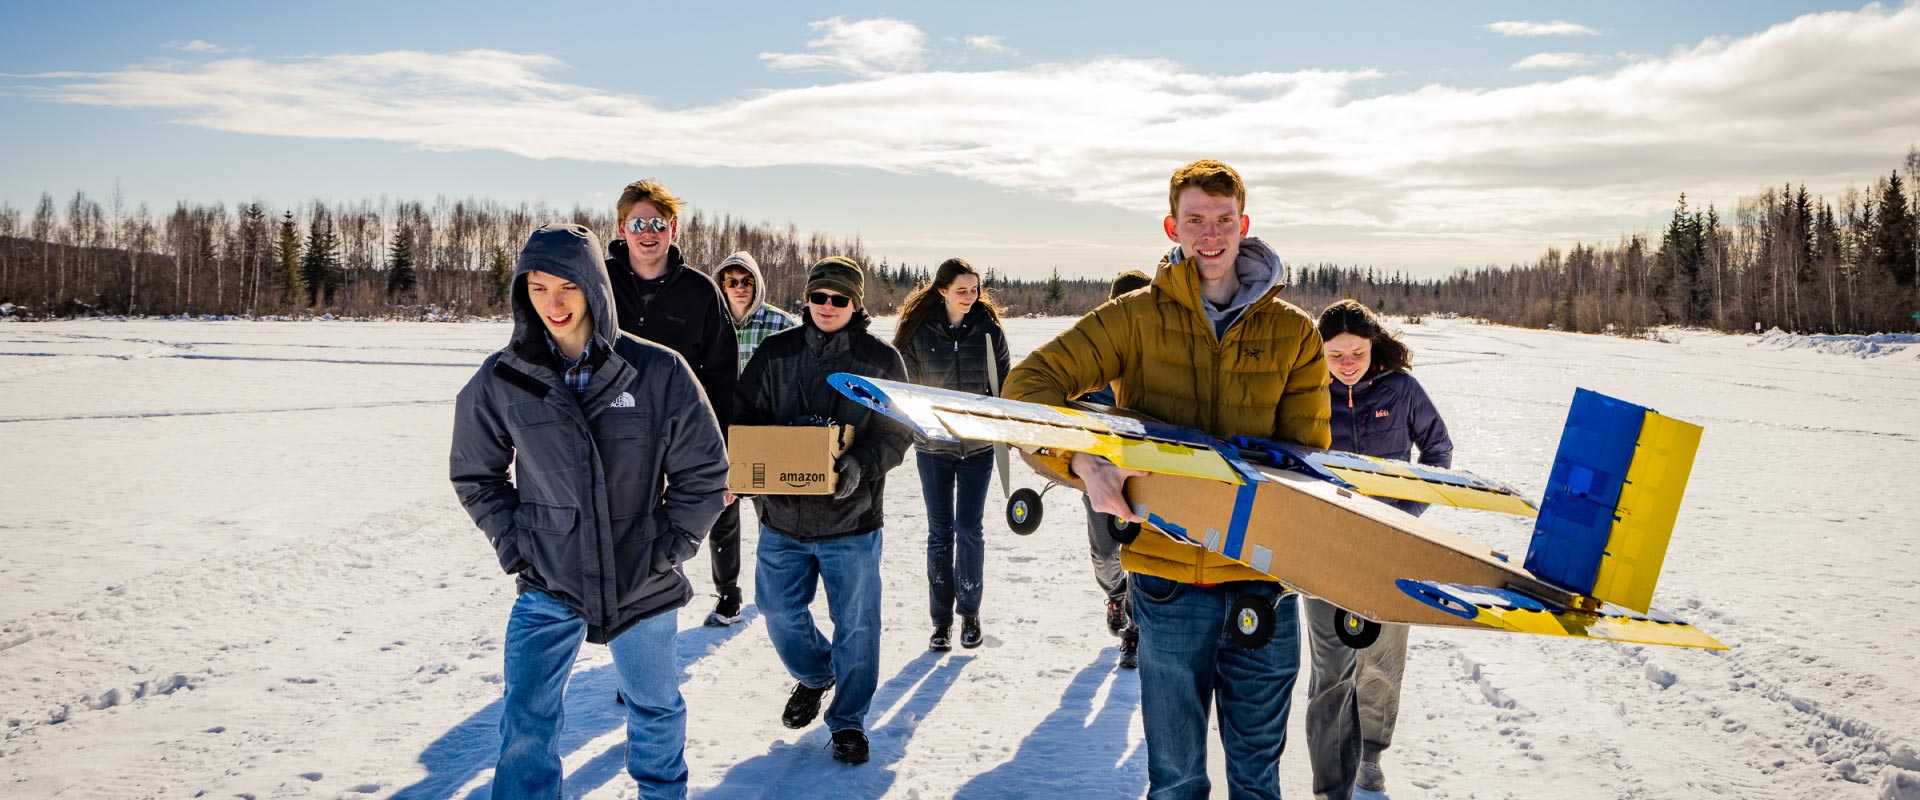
451,259
1782,259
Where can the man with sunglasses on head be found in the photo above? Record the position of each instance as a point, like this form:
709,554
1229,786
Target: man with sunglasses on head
753,321
660,300
812,540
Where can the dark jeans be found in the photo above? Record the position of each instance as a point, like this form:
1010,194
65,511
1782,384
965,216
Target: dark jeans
1187,663
956,493
724,545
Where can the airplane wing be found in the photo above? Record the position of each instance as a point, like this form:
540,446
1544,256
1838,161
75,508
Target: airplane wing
1136,442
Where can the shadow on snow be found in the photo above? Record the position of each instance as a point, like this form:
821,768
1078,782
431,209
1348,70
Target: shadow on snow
1077,751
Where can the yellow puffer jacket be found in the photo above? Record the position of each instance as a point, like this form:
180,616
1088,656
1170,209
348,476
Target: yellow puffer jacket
1267,377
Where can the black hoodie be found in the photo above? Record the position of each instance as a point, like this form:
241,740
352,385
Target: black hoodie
611,490
686,313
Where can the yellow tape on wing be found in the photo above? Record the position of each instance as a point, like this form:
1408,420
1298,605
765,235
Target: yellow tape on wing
1580,625
1649,504
1158,457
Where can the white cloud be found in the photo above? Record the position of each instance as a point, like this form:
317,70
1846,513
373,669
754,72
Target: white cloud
1825,98
1555,28
990,44
1556,61
868,48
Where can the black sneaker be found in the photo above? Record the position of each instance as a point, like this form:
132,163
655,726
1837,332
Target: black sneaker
850,746
1118,620
803,705
1130,651
970,635
727,611
942,639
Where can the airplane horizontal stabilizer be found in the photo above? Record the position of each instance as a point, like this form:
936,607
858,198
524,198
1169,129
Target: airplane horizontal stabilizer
1506,610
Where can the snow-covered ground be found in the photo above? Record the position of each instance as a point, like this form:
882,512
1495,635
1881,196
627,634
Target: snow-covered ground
231,565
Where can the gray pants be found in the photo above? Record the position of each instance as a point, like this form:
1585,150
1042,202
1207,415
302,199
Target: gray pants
1105,553
1353,700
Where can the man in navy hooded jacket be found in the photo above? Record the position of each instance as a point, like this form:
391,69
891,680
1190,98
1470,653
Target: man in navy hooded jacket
618,470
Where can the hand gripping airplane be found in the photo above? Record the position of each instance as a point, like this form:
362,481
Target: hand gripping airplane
1307,517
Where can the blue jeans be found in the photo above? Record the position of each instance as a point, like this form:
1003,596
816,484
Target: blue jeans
1187,663
783,586
543,636
955,489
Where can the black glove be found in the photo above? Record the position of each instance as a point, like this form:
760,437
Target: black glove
849,470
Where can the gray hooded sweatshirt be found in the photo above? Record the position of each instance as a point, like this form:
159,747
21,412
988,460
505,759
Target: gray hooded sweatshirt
1258,269
611,490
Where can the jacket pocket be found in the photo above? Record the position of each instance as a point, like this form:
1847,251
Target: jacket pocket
545,537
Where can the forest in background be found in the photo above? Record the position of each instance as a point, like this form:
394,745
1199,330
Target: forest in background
1780,258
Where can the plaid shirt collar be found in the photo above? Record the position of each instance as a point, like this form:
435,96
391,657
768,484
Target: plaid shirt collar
577,373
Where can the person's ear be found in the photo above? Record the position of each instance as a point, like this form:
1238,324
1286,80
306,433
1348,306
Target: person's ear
1245,223
1172,230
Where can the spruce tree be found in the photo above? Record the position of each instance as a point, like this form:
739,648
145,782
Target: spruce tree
400,277
289,286
499,277
1893,234
320,265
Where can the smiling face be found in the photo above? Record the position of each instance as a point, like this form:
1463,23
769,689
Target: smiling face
826,316
960,295
1349,357
647,250
562,307
1209,228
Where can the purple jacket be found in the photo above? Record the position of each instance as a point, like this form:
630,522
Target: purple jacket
1387,415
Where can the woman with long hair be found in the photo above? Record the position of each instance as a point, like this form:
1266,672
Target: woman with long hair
950,337
1378,410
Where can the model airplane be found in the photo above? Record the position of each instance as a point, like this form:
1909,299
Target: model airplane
1307,517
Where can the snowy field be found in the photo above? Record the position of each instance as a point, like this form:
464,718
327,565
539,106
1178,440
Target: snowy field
231,565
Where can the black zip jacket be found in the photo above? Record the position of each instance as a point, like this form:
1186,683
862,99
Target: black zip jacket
955,357
1386,415
686,314
786,383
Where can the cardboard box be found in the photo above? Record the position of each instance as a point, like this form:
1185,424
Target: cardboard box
784,459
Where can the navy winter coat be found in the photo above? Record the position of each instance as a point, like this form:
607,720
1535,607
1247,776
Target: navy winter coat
1387,415
609,492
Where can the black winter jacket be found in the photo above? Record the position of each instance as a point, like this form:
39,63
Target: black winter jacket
687,314
786,382
955,357
609,492
1388,414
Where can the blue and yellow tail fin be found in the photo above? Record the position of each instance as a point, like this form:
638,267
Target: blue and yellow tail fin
1612,499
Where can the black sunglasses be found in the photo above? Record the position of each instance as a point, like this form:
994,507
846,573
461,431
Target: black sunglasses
824,299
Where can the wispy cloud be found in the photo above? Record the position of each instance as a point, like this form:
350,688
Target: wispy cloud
868,48
199,46
1557,61
990,44
1825,97
1555,28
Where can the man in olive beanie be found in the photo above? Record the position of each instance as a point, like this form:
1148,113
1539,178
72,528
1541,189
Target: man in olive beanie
813,541
840,274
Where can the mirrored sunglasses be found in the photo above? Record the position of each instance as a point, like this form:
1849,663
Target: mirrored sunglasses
637,225
824,299
731,283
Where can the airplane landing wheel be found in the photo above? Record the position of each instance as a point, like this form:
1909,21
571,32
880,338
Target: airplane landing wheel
1121,530
1251,622
1023,511
1355,631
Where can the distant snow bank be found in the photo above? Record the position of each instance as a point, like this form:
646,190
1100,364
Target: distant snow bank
1868,346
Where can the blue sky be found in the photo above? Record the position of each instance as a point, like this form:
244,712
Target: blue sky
1418,136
